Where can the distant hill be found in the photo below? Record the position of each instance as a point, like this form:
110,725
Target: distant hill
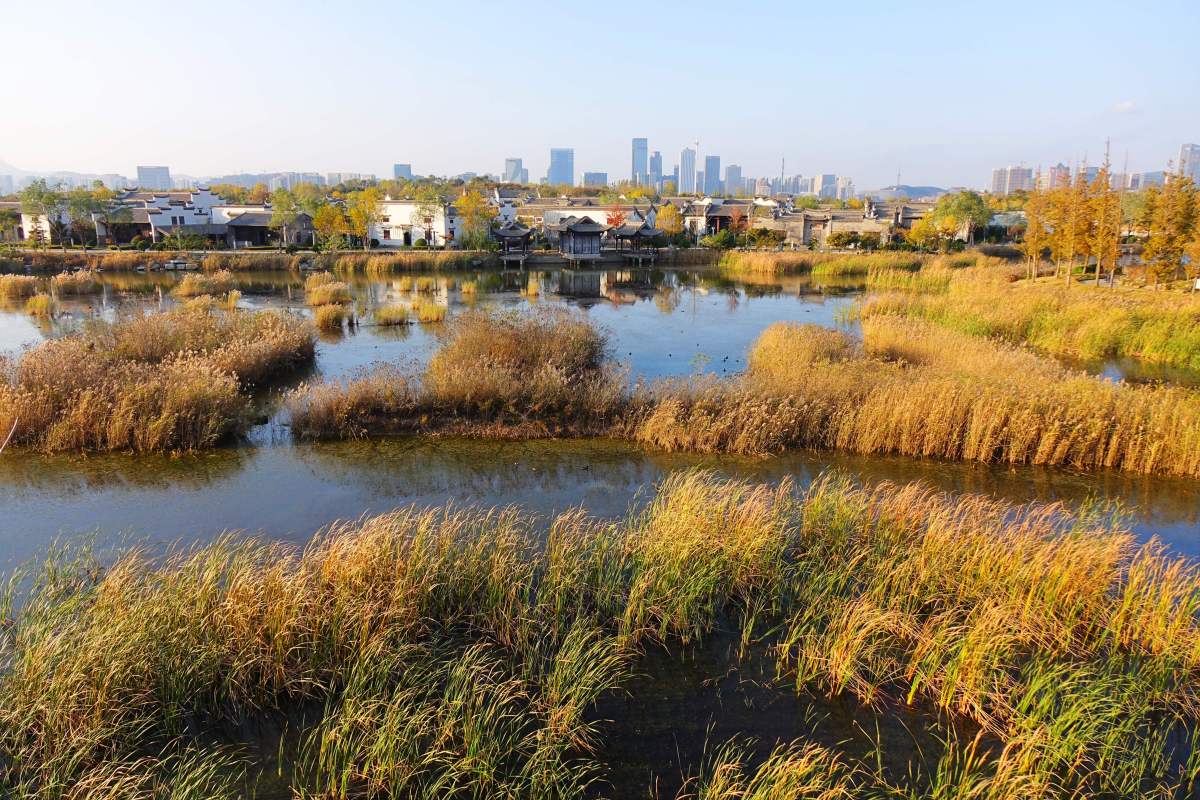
904,190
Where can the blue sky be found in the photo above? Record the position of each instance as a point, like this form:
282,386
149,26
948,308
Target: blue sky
939,91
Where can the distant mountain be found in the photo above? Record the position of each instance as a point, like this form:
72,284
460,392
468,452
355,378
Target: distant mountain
905,190
8,169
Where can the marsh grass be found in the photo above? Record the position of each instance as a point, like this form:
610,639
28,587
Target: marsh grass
195,284
427,311
458,652
408,261
327,293
392,315
173,380
41,305
822,264
18,287
1086,322
244,262
911,388
82,281
330,317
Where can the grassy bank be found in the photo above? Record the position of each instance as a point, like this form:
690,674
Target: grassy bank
407,261
1080,321
452,653
175,380
911,388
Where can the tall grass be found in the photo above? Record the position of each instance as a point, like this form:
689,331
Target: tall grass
243,262
452,654
1080,321
392,315
427,311
82,281
408,261
824,264
17,287
194,284
320,289
330,317
41,305
158,382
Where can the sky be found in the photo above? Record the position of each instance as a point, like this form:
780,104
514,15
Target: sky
939,92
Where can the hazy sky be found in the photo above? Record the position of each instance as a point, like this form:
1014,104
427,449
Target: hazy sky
942,91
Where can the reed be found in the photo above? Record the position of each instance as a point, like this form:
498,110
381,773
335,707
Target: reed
82,281
244,262
469,287
330,317
459,652
425,284
41,305
428,311
126,260
409,261
17,287
232,297
824,264
327,293
157,382
195,284
392,315
1086,322
911,388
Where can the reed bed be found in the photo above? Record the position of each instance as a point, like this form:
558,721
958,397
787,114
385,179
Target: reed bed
458,652
1082,321
18,287
911,388
407,261
253,262
469,287
825,264
195,284
41,305
169,381
125,260
78,282
321,288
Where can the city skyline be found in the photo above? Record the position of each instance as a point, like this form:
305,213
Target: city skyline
831,110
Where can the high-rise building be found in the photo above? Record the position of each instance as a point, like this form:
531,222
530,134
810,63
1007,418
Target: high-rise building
1020,179
513,167
999,180
762,187
712,175
733,180
562,166
155,178
1148,179
1189,161
1089,174
640,171
699,181
595,179
402,172
845,188
1057,176
656,173
825,186
686,180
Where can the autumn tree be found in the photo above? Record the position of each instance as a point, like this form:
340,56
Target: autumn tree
45,202
476,214
968,211
258,194
285,211
1037,235
669,220
362,211
1105,227
81,204
330,225
1171,222
615,216
428,202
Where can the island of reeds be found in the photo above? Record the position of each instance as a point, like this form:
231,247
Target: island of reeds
453,652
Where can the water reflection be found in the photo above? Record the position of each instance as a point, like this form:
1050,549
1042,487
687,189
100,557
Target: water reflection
287,491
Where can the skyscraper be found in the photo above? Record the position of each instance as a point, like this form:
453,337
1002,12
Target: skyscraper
640,172
402,172
1020,179
513,167
156,178
712,175
595,179
656,173
733,180
687,171
825,185
562,166
999,180
1189,161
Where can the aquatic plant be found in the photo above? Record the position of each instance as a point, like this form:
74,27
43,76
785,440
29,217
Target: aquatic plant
392,315
321,289
17,287
329,317
461,651
194,284
154,382
41,305
428,311
81,281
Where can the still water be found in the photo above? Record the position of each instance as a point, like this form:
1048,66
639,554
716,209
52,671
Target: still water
661,323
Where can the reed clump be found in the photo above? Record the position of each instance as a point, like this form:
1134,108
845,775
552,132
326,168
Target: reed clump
18,287
321,288
330,317
195,284
41,305
427,311
81,281
408,261
1086,322
244,262
158,382
126,260
461,651
392,315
